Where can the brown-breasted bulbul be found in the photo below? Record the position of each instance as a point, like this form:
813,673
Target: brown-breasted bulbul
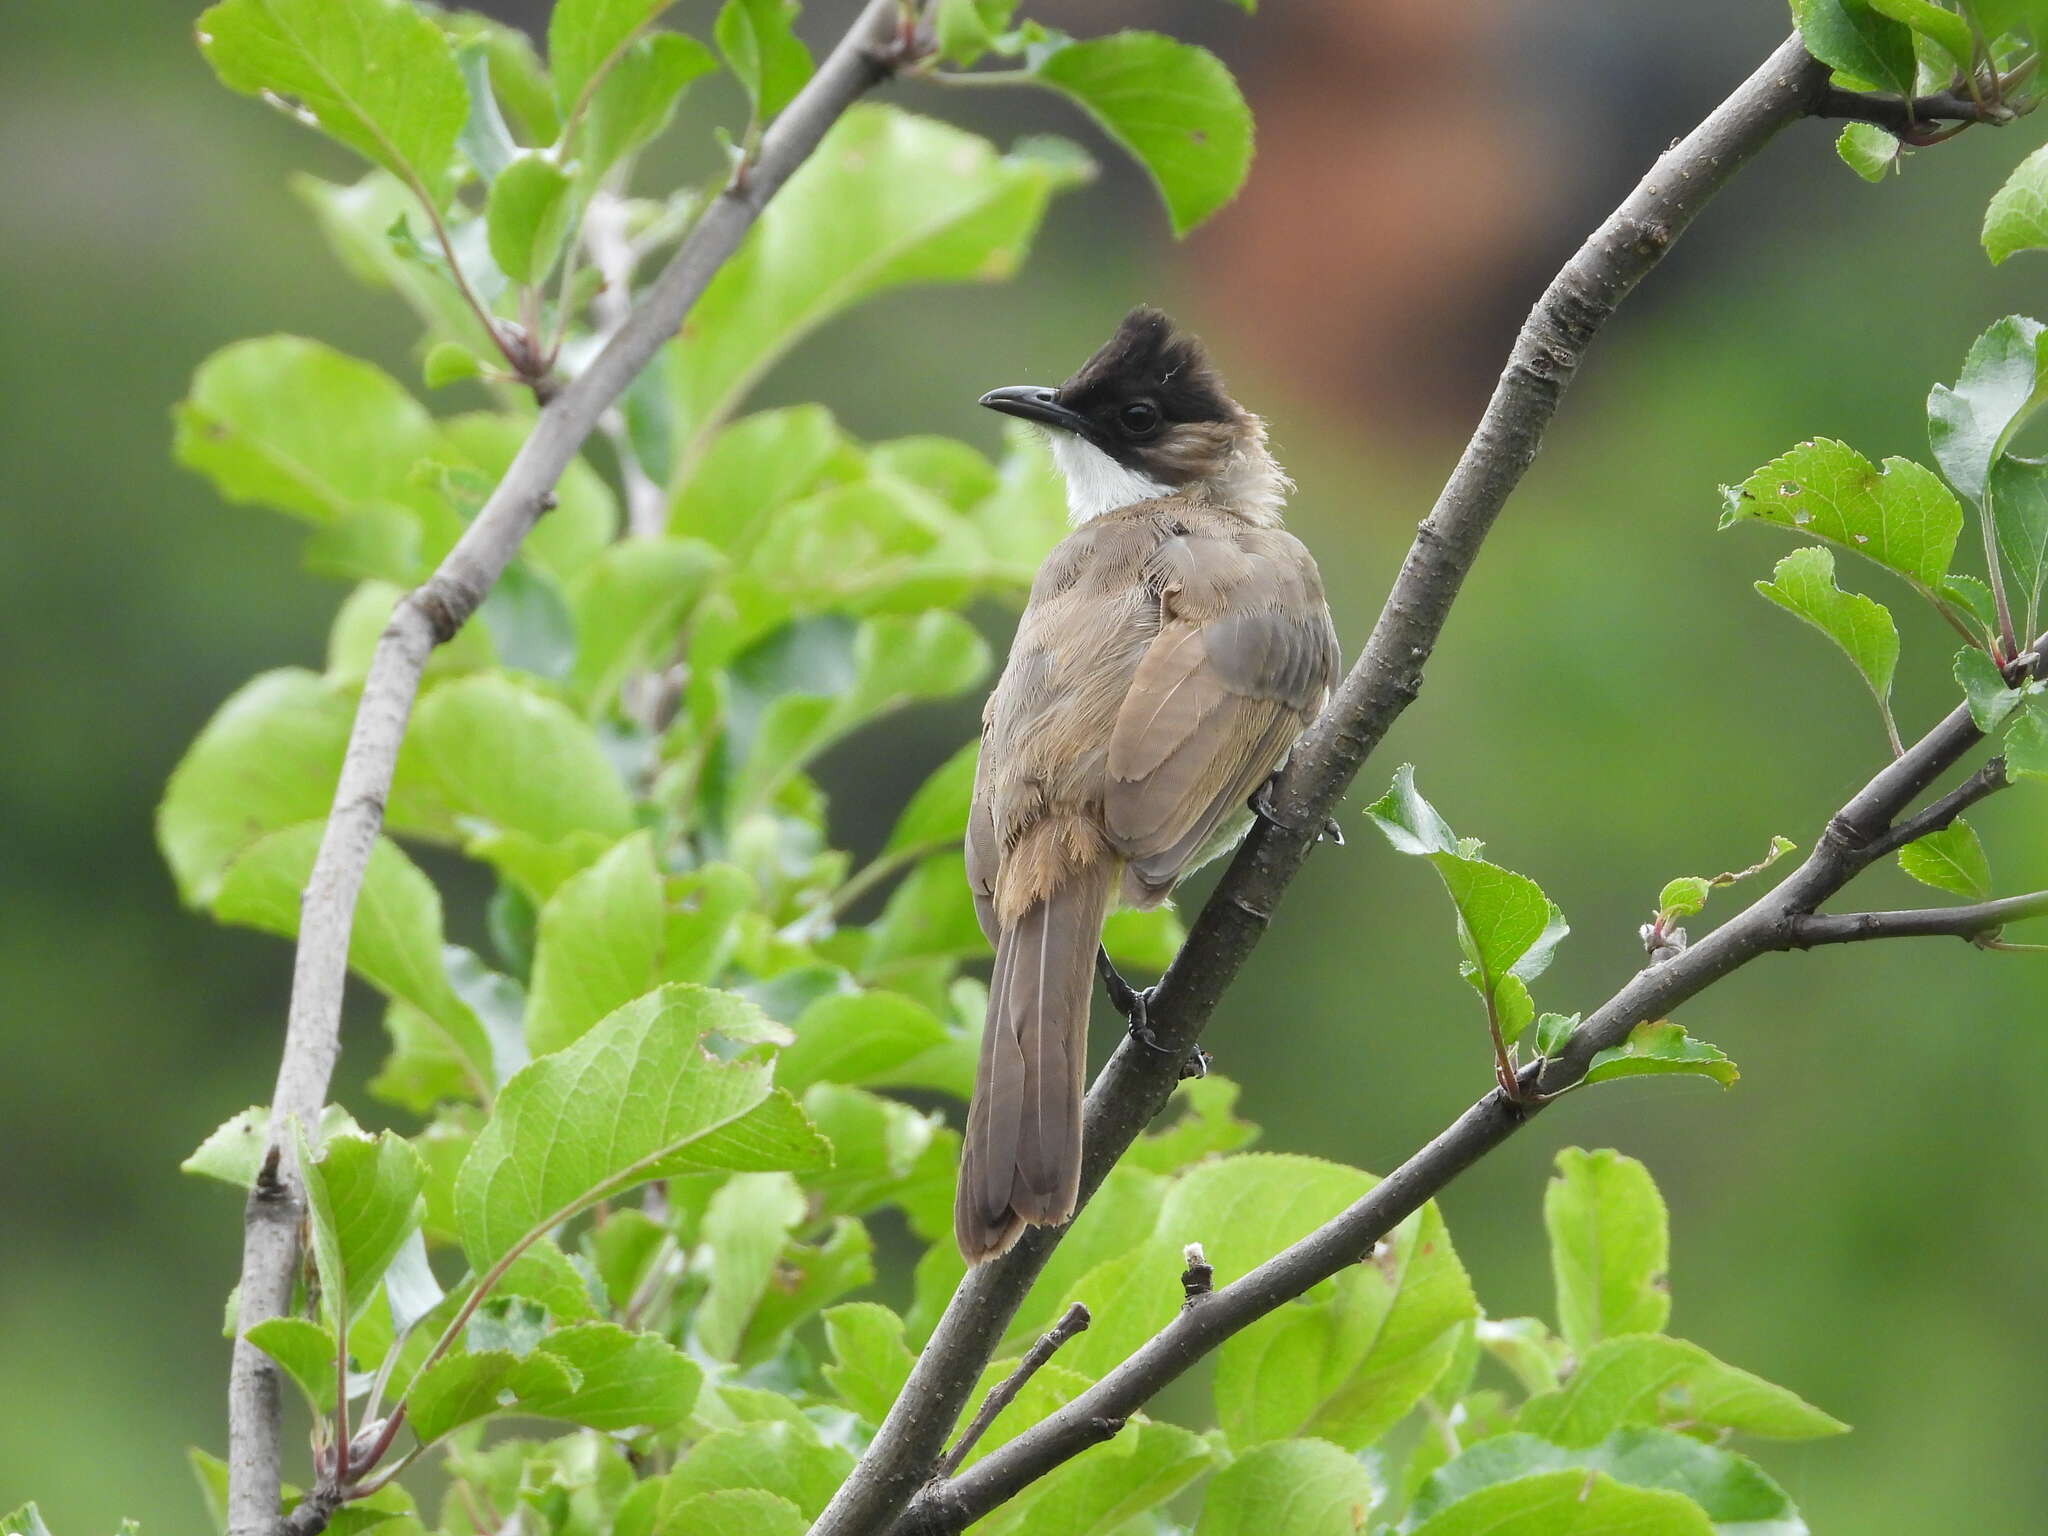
1175,645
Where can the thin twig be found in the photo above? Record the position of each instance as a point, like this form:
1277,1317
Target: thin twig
1003,1392
425,618
1387,676
1937,817
1971,922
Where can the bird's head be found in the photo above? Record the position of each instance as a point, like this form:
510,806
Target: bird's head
1148,416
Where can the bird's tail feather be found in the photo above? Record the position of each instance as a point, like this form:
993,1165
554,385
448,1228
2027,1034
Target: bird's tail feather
1021,1161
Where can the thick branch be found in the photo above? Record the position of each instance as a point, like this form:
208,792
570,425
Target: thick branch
1387,676
1780,920
1969,922
422,620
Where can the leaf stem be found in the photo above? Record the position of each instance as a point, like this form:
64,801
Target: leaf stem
2006,633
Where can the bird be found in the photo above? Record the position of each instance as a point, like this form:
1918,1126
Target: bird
1174,646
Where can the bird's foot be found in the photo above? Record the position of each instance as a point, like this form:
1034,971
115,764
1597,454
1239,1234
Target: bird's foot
1261,804
1135,1004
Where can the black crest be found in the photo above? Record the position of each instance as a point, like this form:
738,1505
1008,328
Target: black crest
1147,359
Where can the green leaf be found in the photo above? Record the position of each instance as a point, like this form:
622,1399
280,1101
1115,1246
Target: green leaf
637,99
967,29
1685,895
1984,689
486,749
377,75
1851,36
870,1360
727,1512
300,428
937,814
1103,1495
2017,217
888,199
1145,941
858,1037
1529,1350
528,217
1804,585
745,1227
1300,1487
466,1385
1868,150
1350,1364
1569,1503
449,362
764,55
586,38
1730,1489
2026,740
810,1276
1661,1048
929,916
629,605
1206,1127
779,725
479,447
235,1150
1553,1030
1609,1247
1949,860
1171,104
781,1458
2004,380
622,1380
1901,516
363,1202
1647,1378
751,470
1947,30
2018,489
671,1083
485,141
306,1352
1506,925
25,1521
267,759
394,941
611,932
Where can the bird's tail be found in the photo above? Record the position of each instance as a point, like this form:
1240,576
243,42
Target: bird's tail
1021,1161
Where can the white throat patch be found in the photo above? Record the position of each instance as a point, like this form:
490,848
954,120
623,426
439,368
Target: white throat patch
1096,483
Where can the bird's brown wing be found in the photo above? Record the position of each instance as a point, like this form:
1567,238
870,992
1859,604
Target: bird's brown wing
984,849
1215,703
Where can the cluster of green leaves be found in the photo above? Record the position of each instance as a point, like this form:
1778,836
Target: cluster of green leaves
1508,933
643,1135
1985,49
1901,516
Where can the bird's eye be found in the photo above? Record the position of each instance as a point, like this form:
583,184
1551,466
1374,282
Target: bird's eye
1139,419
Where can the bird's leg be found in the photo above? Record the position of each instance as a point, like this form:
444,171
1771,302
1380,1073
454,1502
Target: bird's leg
1261,804
1135,1003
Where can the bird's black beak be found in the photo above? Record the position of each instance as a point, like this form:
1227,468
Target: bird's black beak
1035,403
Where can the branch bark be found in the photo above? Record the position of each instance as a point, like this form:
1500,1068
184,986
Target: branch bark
1971,922
1386,678
428,616
1782,919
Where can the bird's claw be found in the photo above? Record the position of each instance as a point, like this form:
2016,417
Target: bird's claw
1261,806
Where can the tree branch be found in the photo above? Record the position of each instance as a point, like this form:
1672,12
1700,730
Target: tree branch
1003,1392
1907,118
1780,920
1387,676
1971,922
1937,817
423,619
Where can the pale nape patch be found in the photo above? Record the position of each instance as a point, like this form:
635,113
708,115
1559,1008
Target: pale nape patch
1096,483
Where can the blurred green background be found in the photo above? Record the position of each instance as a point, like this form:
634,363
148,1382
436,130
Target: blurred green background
1860,1218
